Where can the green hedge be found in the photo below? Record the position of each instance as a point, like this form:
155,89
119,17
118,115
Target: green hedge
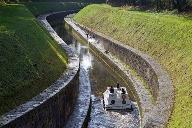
38,8
180,5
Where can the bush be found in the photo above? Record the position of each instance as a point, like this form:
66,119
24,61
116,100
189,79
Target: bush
180,5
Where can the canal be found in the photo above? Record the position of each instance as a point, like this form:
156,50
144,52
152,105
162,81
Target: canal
100,77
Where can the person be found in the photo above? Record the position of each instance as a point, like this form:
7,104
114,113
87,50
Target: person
111,89
123,91
106,51
87,35
118,86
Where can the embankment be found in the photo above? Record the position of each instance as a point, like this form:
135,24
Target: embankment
30,59
158,80
166,38
52,107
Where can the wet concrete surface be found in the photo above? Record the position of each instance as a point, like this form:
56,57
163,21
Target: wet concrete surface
76,119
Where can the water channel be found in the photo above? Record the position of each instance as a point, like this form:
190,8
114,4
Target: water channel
100,77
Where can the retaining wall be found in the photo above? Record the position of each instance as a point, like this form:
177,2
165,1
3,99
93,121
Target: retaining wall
157,79
52,107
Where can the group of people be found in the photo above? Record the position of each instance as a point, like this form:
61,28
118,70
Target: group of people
118,87
89,36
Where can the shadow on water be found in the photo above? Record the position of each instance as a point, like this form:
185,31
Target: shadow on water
100,77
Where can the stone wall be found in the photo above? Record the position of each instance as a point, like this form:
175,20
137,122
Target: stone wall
52,107
157,79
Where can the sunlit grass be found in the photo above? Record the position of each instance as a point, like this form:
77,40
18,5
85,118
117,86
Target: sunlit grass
167,38
30,59
59,55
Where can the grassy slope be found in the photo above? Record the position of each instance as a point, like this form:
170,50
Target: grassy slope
38,8
166,38
30,59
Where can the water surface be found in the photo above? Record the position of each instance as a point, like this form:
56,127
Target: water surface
100,77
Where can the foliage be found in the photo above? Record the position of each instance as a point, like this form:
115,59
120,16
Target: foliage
167,38
2,2
84,1
30,59
180,5
89,1
38,8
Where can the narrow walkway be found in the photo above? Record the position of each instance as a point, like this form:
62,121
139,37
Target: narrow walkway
77,118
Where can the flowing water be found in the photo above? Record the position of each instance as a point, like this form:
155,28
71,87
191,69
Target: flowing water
100,77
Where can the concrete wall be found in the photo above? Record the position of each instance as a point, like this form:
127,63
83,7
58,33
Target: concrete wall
135,60
52,107
157,79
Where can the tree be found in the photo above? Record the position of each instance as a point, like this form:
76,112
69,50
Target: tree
180,5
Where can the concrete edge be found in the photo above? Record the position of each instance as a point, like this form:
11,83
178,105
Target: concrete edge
80,116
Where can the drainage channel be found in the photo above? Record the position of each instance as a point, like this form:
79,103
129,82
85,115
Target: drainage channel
100,77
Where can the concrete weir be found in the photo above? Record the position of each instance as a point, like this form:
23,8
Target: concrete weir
52,107
154,113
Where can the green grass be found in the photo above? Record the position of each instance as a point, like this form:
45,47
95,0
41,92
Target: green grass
30,59
167,38
38,8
